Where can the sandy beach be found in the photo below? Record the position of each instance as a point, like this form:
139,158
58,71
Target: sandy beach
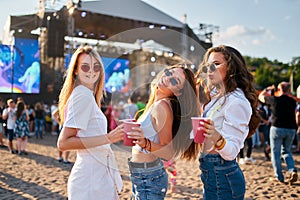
39,175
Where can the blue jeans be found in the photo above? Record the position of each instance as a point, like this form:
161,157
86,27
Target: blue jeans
281,140
256,139
148,183
265,130
222,180
39,127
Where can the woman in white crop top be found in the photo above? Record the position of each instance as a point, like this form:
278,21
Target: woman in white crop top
230,105
164,131
95,174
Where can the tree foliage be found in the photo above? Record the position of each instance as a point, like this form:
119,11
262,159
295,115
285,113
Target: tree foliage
268,72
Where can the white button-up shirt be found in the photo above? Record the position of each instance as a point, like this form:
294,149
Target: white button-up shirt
231,115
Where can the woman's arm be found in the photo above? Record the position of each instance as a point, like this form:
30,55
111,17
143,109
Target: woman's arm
68,140
27,115
162,119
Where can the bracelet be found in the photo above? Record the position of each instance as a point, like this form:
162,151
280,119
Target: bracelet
221,146
149,144
146,143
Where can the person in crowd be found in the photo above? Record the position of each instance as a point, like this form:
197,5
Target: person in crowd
21,127
256,140
31,118
244,160
129,109
39,120
111,120
55,125
8,115
283,129
170,167
164,132
264,128
298,129
95,173
1,125
47,118
65,160
231,109
141,107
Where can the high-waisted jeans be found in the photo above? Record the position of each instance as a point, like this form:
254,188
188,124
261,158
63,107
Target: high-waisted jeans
222,180
148,183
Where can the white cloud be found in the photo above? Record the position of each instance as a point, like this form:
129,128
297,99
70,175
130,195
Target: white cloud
256,42
244,35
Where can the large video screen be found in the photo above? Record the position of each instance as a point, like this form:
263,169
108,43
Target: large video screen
20,67
117,73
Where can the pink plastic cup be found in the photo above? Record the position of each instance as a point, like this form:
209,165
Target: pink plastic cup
128,125
198,133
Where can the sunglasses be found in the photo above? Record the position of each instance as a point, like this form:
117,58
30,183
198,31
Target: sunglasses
212,67
86,68
173,81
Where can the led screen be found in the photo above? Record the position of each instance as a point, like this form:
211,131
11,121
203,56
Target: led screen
117,73
23,74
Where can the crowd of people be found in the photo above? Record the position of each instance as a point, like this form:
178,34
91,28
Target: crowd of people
222,90
20,121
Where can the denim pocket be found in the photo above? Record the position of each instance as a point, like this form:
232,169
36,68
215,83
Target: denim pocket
152,185
159,182
236,182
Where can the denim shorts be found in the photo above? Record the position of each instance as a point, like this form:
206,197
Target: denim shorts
222,179
148,182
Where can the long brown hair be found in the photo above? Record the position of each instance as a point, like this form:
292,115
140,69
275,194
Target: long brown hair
237,76
20,109
184,107
69,83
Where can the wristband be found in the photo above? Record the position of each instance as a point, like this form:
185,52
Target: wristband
221,146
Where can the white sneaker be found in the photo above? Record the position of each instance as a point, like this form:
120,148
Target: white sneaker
251,160
242,161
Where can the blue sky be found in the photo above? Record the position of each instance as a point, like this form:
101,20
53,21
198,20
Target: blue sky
257,28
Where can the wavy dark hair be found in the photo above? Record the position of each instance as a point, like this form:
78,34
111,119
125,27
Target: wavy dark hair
184,107
237,76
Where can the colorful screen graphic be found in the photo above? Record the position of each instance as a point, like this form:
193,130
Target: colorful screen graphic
117,73
20,67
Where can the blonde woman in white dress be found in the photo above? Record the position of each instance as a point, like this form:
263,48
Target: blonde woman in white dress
95,174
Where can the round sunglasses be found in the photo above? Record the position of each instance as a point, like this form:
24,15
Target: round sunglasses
173,81
211,67
86,68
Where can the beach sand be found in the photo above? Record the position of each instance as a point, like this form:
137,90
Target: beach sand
39,175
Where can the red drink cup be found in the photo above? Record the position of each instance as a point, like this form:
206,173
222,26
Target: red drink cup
198,133
128,128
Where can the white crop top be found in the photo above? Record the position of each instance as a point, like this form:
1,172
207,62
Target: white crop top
148,129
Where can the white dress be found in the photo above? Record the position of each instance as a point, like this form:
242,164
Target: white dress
95,174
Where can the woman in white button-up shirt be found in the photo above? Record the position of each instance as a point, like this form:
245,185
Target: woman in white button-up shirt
231,106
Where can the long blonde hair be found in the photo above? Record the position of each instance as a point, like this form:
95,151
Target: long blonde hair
70,80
